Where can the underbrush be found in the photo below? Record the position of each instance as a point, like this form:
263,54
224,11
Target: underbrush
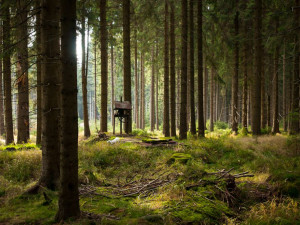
192,190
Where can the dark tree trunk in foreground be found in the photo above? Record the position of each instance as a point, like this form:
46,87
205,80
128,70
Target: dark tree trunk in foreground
172,71
2,128
235,78
69,195
256,85
38,75
103,32
192,69
263,95
245,81
275,122
183,107
9,138
152,99
87,131
51,90
166,74
211,113
95,83
157,78
294,127
126,59
22,73
201,112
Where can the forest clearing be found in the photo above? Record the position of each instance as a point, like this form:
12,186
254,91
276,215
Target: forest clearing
126,183
149,112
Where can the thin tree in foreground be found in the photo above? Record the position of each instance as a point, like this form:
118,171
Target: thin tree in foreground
166,74
192,68
126,60
183,107
201,126
256,85
2,127
9,137
172,70
104,64
69,195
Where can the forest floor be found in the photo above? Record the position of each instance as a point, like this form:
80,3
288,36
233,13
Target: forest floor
217,180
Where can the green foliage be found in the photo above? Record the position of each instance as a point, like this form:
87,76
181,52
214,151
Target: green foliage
180,158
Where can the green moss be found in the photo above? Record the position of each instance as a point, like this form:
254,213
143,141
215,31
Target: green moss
180,158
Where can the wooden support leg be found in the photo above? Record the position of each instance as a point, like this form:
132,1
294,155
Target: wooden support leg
114,118
121,126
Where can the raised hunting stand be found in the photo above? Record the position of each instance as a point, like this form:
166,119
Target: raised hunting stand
122,110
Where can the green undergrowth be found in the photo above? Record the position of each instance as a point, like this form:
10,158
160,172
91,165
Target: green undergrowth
270,197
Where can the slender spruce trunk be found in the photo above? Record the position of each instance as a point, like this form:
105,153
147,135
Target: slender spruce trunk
172,70
104,65
166,74
9,137
95,83
211,112
245,80
201,111
2,127
136,80
284,91
152,99
157,88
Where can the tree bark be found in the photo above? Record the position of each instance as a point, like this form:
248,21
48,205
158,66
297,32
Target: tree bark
245,80
9,138
172,71
294,127
192,70
103,32
284,92
183,107
201,112
275,122
263,94
157,88
51,89
69,194
235,78
142,93
2,127
126,60
256,86
38,74
166,74
22,73
136,81
95,83
112,85
152,99
211,112
87,131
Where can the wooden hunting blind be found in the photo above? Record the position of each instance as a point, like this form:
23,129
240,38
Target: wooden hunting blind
122,110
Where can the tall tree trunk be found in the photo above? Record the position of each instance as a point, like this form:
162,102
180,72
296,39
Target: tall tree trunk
22,73
152,99
157,88
235,78
205,98
275,122
263,95
192,69
103,31
112,84
38,74
201,112
183,107
142,93
95,83
2,128
294,127
256,86
9,138
284,91
136,81
245,80
69,194
172,70
166,74
211,112
51,89
126,60
87,131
